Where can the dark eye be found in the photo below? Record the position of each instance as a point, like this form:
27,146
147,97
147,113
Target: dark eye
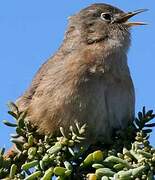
106,17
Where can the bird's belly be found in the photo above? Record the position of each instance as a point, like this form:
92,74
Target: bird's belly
107,107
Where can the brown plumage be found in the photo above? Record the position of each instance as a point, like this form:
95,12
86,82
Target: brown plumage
88,79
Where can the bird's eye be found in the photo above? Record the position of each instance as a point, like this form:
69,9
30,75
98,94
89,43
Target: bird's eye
106,17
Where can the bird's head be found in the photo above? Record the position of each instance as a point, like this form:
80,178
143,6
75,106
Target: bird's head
103,22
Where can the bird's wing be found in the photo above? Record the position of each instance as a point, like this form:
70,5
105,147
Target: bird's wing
25,99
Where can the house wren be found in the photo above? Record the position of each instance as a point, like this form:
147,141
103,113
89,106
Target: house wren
88,79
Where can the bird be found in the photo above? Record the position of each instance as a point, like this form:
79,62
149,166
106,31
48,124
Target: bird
88,79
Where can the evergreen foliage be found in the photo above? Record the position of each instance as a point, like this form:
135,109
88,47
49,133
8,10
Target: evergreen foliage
129,157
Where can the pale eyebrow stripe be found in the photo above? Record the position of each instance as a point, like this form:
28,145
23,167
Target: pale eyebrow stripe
92,10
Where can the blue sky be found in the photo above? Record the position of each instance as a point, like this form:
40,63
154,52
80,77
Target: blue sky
31,31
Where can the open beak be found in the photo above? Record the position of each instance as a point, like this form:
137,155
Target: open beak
126,16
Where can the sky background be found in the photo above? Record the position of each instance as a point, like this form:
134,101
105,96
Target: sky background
32,30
